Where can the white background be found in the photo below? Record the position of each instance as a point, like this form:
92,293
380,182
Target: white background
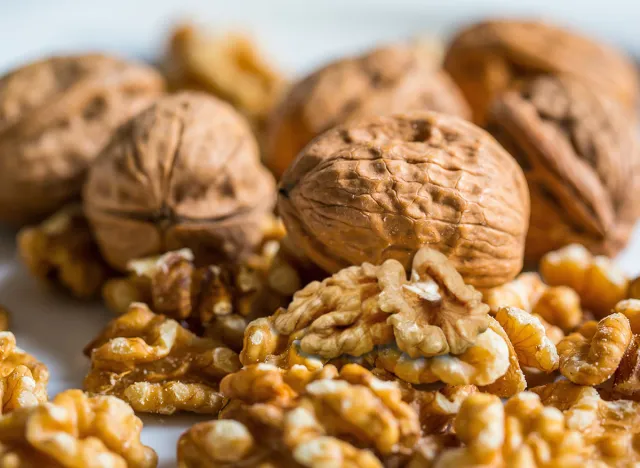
301,34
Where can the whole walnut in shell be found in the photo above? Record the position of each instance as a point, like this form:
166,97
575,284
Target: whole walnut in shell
383,187
580,154
183,173
487,58
387,80
55,115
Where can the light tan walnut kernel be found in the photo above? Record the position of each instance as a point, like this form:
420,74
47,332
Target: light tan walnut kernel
360,307
481,364
523,432
611,429
630,308
23,379
74,431
61,251
157,366
590,356
394,184
558,305
529,339
301,418
597,280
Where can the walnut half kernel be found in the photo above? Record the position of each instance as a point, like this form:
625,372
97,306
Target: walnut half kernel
74,431
157,366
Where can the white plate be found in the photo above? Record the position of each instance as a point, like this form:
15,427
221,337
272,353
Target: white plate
300,34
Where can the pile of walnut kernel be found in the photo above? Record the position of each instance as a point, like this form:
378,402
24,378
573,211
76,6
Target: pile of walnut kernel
361,302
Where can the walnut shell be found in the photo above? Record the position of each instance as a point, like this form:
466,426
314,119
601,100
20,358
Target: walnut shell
384,81
580,155
382,187
489,57
55,115
183,173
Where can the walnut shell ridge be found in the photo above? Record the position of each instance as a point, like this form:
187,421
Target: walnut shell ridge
183,173
580,154
55,116
383,187
387,80
489,57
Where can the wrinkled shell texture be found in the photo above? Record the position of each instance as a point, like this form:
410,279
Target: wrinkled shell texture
490,57
580,155
384,81
184,173
55,115
390,185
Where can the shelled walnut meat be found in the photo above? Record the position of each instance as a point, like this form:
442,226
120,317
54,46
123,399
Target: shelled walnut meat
487,58
387,80
157,366
383,187
183,173
55,115
61,251
580,154
75,430
230,66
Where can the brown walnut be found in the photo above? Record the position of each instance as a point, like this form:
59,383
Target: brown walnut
487,58
55,115
384,81
183,173
382,187
581,158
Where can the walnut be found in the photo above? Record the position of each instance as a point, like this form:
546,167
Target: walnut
349,419
230,66
529,339
176,287
183,173
482,364
391,185
489,57
74,431
523,432
158,366
359,308
55,115
557,305
579,153
611,429
626,380
387,80
23,379
597,280
630,308
513,381
61,251
591,357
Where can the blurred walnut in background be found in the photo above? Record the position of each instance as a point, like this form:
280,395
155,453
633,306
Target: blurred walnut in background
55,115
391,79
580,154
487,58
184,173
229,66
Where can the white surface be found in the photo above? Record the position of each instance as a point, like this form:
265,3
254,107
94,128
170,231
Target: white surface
300,34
